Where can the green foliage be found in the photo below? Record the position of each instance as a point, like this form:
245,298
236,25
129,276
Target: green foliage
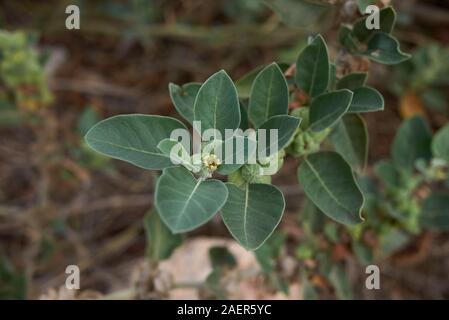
425,74
352,81
12,282
300,13
251,207
134,138
384,48
217,105
387,20
376,44
350,140
269,95
183,98
435,212
312,68
220,257
187,195
184,202
440,144
21,72
328,108
362,4
252,214
286,126
329,182
160,241
411,143
366,99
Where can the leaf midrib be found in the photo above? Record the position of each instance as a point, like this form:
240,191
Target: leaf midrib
268,102
316,173
183,210
315,67
128,148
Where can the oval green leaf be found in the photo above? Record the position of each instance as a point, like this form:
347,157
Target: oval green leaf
251,215
350,140
328,108
300,13
435,212
329,182
387,20
312,68
440,143
217,105
412,142
286,127
269,95
134,138
160,241
384,48
183,98
366,99
352,81
185,203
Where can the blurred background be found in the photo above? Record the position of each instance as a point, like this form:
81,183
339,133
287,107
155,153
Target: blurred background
62,204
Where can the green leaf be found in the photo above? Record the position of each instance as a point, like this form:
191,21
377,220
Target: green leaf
332,77
160,241
267,253
245,83
251,215
134,138
440,143
87,120
286,127
244,122
346,38
217,105
312,217
388,174
184,203
183,98
350,139
412,142
435,212
352,81
362,4
384,48
339,279
269,95
214,286
363,253
387,21
329,182
392,240
220,257
328,108
312,68
180,155
299,13
366,99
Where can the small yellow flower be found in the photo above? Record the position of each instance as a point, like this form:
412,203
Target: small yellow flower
211,161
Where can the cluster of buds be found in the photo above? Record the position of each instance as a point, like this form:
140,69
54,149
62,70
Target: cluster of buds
21,72
305,141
